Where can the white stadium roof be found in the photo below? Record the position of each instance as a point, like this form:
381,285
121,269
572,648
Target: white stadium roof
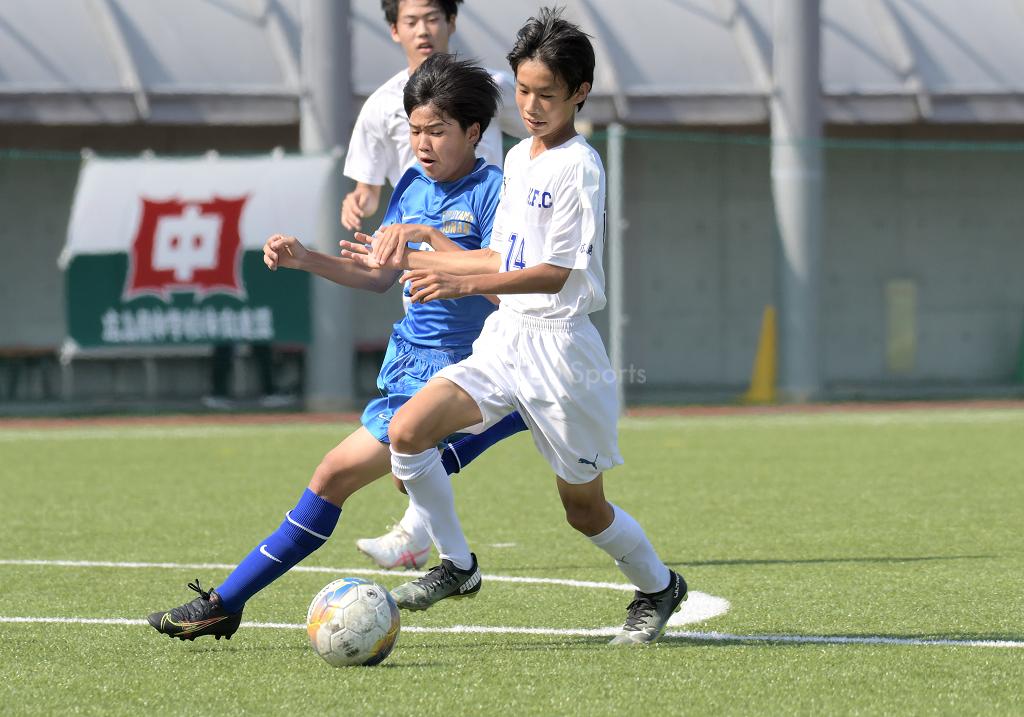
659,61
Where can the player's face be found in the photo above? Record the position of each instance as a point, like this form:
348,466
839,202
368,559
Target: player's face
422,29
443,149
544,102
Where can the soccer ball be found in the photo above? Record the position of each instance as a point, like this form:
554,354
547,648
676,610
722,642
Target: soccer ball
352,622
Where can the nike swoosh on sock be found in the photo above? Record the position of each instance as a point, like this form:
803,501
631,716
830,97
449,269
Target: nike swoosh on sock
263,551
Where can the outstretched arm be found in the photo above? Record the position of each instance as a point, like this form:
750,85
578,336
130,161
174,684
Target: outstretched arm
390,243
427,285
450,275
471,261
286,251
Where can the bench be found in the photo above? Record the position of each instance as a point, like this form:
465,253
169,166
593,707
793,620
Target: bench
24,368
24,364
369,356
148,355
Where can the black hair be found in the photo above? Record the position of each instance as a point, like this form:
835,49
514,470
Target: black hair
563,48
458,88
450,8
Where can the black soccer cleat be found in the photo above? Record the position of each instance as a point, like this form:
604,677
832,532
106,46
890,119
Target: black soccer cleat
441,581
203,616
648,614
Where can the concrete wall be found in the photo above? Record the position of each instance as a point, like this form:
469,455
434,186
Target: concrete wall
950,223
701,264
699,256
35,201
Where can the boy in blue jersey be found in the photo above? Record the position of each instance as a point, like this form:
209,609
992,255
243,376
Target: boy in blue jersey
453,196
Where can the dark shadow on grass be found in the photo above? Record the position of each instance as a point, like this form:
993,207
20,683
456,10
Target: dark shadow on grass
890,559
241,649
837,640
549,571
214,647
671,642
517,643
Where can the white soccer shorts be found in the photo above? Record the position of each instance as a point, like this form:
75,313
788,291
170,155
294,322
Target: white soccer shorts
556,373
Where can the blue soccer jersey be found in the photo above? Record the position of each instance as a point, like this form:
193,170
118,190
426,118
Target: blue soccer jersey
463,211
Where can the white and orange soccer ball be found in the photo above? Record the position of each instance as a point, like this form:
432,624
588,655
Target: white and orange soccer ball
353,622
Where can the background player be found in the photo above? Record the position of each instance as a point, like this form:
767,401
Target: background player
532,355
379,150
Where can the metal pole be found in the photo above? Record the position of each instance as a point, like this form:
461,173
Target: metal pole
616,258
797,186
326,122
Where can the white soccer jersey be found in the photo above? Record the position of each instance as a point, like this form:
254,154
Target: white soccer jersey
552,212
380,149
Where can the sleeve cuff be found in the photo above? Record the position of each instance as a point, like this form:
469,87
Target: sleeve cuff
561,261
364,177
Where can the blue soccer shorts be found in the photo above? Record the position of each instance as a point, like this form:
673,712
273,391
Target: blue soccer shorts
406,369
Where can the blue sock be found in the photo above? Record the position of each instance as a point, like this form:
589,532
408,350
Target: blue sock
305,528
464,451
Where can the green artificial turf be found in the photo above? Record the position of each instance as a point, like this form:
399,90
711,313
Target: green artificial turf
903,525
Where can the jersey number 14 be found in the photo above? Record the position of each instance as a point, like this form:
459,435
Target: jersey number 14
516,247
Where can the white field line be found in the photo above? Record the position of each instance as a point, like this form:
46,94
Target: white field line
839,417
697,608
313,569
847,640
598,632
98,433
907,417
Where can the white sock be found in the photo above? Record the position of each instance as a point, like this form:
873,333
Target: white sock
430,492
413,524
634,555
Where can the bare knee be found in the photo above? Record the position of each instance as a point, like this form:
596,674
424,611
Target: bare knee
407,436
588,517
586,508
335,482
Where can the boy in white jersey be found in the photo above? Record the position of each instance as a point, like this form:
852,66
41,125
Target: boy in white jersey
380,150
535,353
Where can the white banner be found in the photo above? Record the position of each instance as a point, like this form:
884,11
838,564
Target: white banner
193,198
167,251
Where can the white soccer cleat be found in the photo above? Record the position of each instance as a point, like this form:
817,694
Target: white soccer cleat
396,549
